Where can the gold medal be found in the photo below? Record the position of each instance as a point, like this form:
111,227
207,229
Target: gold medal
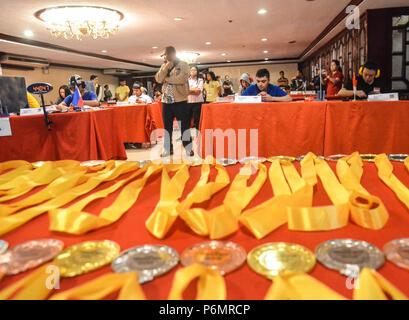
86,256
284,158
271,259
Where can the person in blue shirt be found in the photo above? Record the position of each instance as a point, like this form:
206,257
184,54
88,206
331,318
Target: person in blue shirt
90,98
267,91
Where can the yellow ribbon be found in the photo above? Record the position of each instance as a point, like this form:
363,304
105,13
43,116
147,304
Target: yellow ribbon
385,173
372,286
210,286
32,287
75,221
271,214
126,283
11,222
294,286
204,190
20,167
165,213
38,177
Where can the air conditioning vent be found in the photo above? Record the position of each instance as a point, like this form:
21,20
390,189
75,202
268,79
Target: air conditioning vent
118,72
24,61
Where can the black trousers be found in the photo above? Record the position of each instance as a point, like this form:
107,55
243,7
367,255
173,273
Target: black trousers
180,111
195,111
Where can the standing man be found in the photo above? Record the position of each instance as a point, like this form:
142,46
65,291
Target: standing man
282,82
227,87
174,75
98,88
122,92
267,91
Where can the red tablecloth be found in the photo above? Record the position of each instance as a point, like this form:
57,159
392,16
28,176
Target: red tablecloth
325,128
130,231
290,129
367,127
80,136
131,123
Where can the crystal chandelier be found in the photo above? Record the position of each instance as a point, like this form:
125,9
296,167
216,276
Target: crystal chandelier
189,57
78,22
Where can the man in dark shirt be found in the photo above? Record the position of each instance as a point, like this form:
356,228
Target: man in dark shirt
315,83
368,82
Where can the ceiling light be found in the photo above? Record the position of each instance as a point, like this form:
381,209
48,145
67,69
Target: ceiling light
223,54
154,47
264,39
266,59
262,11
208,43
28,33
104,51
178,19
189,57
265,51
228,60
79,22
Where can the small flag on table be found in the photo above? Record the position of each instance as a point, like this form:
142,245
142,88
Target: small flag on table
77,100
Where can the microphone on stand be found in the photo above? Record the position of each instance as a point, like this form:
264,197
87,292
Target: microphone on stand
41,89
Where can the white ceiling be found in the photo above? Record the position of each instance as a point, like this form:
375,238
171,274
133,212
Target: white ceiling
150,23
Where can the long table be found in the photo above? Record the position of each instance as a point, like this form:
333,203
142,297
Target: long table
80,136
295,128
244,283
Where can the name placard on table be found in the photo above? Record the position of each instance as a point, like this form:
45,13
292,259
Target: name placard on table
248,99
384,97
5,129
31,111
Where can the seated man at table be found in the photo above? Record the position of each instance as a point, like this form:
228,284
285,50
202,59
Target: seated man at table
138,96
368,82
267,91
89,98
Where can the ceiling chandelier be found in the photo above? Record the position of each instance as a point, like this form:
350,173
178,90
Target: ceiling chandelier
189,57
78,22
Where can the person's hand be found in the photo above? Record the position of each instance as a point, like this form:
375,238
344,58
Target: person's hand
265,96
169,65
361,94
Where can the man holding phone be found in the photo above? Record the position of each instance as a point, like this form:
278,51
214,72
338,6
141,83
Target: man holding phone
174,77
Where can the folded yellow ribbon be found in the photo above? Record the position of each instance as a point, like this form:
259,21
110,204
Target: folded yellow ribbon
210,286
32,287
204,190
296,286
165,214
20,167
370,285
75,221
126,283
385,173
11,222
271,214
40,176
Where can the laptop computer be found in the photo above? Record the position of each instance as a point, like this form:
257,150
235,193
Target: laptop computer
13,94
